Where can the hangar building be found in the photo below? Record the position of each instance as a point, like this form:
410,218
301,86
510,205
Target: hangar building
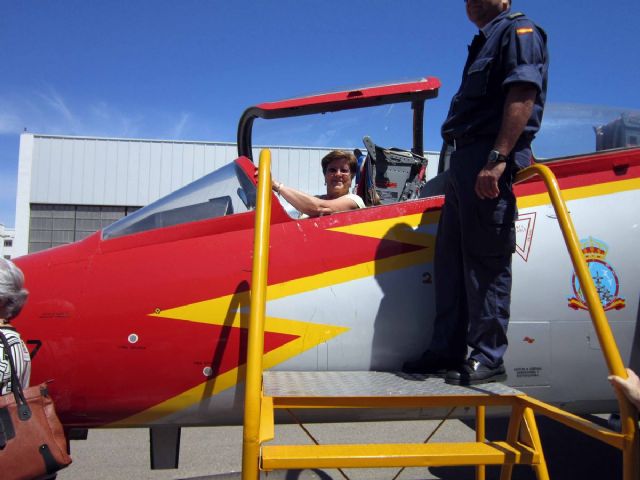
6,241
69,187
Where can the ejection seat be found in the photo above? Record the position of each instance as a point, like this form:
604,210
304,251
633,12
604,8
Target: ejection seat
395,175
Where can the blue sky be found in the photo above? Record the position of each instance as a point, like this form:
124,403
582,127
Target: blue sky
187,69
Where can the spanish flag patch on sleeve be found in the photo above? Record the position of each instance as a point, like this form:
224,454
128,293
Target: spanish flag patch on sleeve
524,30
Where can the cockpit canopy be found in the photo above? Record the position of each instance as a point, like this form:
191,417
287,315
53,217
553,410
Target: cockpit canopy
234,193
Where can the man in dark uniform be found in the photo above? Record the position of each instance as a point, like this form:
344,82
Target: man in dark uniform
491,123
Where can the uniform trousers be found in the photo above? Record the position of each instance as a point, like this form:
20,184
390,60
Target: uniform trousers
472,265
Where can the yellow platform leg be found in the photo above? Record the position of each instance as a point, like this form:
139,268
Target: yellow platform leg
523,429
481,436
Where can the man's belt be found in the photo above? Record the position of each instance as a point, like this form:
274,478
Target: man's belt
462,142
465,141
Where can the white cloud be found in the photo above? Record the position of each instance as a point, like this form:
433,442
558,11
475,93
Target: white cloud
9,122
178,128
56,103
47,111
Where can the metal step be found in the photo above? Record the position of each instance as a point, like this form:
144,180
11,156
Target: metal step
350,388
395,455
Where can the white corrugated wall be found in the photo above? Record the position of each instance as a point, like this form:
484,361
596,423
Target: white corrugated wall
101,171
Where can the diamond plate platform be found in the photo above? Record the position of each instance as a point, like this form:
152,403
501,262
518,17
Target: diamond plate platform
371,384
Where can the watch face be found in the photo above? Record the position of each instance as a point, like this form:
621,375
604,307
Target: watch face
496,157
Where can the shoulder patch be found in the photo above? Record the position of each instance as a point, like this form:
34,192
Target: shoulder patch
513,16
524,30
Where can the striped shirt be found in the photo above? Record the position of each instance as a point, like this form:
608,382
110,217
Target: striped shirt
21,359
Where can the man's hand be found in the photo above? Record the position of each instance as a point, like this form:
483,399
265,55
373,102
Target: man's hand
517,111
487,180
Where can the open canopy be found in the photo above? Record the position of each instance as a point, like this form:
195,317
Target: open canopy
415,92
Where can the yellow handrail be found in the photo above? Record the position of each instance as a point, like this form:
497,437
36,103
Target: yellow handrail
251,431
255,343
603,330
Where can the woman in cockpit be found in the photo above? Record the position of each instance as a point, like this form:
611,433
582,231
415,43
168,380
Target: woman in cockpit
339,169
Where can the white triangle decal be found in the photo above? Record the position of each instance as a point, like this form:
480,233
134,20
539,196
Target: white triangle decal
524,233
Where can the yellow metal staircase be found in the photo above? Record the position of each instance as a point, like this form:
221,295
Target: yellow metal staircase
267,392
293,390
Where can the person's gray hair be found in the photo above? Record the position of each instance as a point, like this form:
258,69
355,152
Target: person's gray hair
13,295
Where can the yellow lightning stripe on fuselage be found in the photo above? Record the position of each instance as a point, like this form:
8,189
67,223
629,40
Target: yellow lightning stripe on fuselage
220,311
398,229
226,311
309,335
579,193
214,311
387,228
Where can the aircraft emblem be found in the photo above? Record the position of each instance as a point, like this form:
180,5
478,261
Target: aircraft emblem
603,274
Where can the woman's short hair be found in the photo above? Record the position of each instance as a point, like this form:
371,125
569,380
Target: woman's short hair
12,294
340,155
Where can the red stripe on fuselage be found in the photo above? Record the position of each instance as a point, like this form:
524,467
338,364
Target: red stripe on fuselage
584,171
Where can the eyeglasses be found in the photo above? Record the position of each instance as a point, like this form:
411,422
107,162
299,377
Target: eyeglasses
336,171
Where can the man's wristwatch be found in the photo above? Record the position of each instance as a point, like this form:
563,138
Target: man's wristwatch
496,157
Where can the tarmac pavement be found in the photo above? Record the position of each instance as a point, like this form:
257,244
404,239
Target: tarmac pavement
214,453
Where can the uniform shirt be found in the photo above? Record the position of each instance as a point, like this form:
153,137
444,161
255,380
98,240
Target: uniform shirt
509,49
21,359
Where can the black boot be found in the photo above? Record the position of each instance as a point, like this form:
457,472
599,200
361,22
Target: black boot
472,372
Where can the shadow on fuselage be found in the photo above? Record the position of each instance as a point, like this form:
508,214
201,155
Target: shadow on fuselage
403,325
224,344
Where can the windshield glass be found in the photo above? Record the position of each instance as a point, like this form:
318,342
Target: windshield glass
572,129
222,192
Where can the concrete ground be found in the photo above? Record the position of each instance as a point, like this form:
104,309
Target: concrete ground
215,452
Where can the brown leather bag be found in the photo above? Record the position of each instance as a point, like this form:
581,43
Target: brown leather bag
32,441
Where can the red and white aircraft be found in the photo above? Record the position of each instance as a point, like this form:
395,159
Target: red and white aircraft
143,324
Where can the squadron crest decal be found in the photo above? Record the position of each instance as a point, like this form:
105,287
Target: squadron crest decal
604,277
